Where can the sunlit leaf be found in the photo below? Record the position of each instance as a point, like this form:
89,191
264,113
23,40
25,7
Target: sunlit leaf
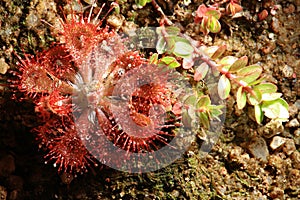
266,88
258,113
204,119
141,3
254,98
227,61
220,50
276,109
204,27
172,30
167,31
201,71
216,111
171,62
186,119
165,44
213,25
153,59
209,50
187,63
241,98
183,48
191,100
213,13
239,64
257,81
271,96
249,73
203,101
224,87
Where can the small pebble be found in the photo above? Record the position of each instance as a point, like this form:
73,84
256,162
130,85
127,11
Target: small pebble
297,136
3,66
293,123
115,21
275,25
276,142
287,71
290,9
295,157
3,193
270,129
277,193
258,148
289,147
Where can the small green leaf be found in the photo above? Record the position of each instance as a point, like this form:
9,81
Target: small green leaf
249,73
141,3
201,71
191,100
171,62
165,44
172,30
204,101
258,113
209,50
241,98
213,25
186,119
215,111
153,59
204,119
271,96
213,13
258,81
276,109
239,64
168,31
219,52
266,88
224,87
254,98
227,61
183,48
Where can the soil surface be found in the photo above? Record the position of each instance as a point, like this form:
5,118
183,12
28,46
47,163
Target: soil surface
245,163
